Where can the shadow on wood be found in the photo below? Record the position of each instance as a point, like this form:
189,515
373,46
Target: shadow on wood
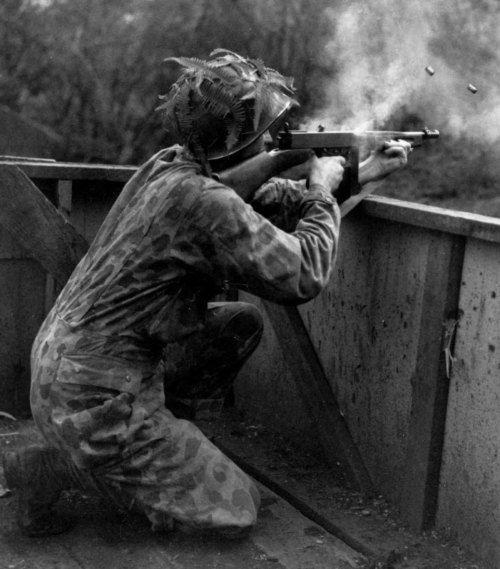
317,395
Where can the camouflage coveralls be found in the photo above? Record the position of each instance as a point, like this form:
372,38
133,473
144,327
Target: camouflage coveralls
97,369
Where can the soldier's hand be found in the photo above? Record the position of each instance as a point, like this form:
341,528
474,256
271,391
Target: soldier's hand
327,171
391,157
395,155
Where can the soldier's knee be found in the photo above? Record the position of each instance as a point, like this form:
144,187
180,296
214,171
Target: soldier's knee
240,319
245,507
254,316
246,323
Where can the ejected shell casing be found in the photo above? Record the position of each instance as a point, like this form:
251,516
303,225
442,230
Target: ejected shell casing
430,70
471,88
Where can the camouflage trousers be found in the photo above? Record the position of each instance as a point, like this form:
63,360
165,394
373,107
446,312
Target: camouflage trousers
102,405
200,370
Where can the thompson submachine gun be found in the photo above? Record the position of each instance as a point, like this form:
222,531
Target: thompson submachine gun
350,145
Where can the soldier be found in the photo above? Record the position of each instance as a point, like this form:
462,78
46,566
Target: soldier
133,343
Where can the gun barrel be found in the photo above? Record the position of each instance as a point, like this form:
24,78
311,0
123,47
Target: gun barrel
415,138
294,139
425,133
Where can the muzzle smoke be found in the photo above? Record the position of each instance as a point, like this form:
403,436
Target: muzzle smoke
436,61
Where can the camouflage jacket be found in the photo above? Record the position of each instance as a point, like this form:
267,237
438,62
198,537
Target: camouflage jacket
174,237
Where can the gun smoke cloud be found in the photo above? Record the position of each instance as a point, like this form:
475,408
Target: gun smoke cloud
435,61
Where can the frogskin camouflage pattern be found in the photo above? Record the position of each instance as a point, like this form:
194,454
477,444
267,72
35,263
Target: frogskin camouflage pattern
137,308
200,369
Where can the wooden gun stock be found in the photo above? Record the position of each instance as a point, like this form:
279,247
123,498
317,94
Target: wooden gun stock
248,176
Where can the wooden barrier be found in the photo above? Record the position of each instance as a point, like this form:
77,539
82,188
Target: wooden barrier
83,194
406,335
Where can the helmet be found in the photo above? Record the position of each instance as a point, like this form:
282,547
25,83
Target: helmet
221,105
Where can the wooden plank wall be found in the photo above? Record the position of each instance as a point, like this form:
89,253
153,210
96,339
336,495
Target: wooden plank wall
469,499
24,288
365,330
91,200
420,402
28,292
22,282
384,330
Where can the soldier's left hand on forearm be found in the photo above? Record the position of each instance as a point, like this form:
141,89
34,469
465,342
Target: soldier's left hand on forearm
391,157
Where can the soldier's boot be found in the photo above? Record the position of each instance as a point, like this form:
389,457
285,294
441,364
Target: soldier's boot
39,475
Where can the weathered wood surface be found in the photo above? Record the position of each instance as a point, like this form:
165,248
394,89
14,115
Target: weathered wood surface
365,329
90,203
430,217
429,398
469,500
34,222
379,329
378,332
106,538
22,285
71,171
317,395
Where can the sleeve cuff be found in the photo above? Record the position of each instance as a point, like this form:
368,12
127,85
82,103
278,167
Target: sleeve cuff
318,193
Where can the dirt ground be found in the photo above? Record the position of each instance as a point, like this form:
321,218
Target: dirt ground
308,520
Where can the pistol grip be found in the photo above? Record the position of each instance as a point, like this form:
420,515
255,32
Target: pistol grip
349,185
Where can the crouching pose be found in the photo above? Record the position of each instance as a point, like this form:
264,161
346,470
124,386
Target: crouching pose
134,343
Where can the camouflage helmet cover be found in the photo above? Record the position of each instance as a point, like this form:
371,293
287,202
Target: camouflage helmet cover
221,105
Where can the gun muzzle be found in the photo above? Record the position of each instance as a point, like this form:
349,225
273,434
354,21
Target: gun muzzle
430,133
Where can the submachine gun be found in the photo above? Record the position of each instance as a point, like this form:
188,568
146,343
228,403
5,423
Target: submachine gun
349,144
296,146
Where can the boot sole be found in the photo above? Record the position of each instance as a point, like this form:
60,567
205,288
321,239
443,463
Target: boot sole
53,525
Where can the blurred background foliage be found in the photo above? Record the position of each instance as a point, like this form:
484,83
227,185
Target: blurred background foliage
92,70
